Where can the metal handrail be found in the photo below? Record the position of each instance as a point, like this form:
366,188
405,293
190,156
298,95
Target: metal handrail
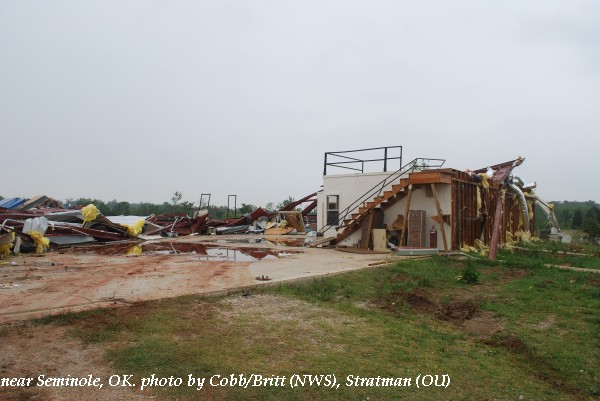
362,162
417,164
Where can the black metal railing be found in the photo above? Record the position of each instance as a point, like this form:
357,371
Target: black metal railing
418,164
353,163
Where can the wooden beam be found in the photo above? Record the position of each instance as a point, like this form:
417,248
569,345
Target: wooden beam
439,212
365,238
406,210
321,242
497,227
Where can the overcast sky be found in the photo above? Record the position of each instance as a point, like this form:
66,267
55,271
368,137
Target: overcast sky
134,100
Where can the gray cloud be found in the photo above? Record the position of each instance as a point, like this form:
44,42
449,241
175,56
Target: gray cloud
134,100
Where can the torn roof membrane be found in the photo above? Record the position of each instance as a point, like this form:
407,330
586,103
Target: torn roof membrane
503,170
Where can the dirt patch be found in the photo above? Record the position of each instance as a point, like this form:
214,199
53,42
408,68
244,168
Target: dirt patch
546,323
457,311
484,324
280,309
463,313
594,281
418,300
30,351
513,343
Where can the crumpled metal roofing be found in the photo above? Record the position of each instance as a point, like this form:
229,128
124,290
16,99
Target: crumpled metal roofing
12,203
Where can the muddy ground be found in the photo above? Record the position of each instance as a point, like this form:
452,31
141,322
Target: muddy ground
82,278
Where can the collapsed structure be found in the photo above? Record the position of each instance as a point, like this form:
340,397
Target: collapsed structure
422,204
42,222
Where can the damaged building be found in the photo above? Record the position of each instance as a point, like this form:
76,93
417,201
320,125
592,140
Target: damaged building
421,204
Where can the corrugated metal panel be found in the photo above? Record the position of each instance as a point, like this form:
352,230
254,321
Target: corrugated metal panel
11,203
126,219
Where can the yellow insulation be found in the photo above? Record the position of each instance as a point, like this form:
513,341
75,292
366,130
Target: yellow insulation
478,247
90,212
522,236
485,183
41,243
134,250
136,228
530,206
519,236
5,248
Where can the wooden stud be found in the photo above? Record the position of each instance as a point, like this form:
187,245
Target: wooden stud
439,212
406,210
497,229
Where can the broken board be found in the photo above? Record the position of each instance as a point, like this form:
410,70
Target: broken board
321,242
379,239
279,231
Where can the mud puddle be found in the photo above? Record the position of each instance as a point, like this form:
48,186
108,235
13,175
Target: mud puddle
206,252
291,242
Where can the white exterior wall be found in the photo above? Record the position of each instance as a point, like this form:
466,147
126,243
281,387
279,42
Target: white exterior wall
352,186
349,187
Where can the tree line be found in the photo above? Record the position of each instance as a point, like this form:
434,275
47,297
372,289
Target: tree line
573,215
175,206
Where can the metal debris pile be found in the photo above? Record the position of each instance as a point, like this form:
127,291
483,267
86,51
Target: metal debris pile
42,223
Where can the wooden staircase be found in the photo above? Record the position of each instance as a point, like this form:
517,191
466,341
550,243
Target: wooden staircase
384,201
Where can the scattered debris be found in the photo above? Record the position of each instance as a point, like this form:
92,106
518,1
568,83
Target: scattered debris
41,223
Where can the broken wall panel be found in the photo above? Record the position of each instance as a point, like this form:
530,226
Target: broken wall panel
473,219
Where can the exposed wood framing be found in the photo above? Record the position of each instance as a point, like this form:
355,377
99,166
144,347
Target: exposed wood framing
406,210
439,212
497,227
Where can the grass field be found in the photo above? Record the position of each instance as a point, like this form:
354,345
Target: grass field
519,330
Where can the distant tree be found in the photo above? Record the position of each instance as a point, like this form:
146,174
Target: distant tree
541,219
565,212
175,199
217,212
143,209
577,219
593,213
270,207
116,208
81,202
591,223
165,208
246,208
185,207
564,217
285,202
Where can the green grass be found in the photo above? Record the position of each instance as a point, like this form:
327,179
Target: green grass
576,255
375,322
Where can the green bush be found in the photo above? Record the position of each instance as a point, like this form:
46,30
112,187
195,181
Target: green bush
470,274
